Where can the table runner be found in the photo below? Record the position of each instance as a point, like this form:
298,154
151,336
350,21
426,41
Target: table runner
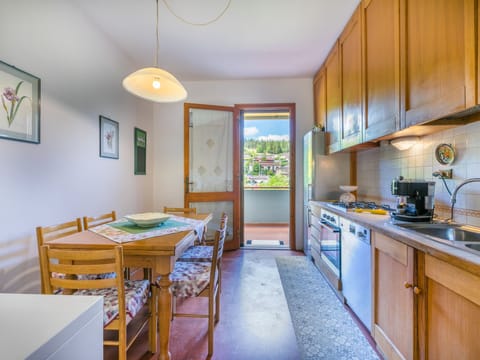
122,230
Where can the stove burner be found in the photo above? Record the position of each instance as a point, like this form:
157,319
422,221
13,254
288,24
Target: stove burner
367,205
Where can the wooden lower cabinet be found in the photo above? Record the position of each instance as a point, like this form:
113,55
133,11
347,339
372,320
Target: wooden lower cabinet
424,307
393,297
450,326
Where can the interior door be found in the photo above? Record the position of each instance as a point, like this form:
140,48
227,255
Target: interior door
211,166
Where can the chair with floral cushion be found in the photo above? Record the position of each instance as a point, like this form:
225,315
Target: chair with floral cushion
186,211
179,211
200,279
203,253
92,221
89,221
124,300
48,233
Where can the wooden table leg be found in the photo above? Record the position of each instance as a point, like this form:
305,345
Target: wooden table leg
164,316
152,332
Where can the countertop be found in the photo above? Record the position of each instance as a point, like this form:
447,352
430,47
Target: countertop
382,223
34,326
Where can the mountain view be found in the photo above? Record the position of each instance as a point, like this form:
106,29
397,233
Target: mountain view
266,153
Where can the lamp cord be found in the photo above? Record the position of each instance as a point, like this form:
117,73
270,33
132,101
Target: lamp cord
193,23
158,41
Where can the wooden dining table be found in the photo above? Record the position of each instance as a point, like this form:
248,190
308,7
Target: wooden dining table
157,253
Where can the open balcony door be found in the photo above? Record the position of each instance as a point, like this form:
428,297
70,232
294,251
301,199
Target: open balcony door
211,166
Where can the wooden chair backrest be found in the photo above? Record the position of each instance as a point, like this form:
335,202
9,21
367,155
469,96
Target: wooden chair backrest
218,245
74,262
49,233
174,210
89,222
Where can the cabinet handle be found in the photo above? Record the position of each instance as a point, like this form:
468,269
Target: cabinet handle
416,289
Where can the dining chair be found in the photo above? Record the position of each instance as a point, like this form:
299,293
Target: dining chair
52,232
200,279
179,211
89,222
123,300
203,253
187,211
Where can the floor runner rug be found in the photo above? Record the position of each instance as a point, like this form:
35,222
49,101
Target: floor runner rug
324,329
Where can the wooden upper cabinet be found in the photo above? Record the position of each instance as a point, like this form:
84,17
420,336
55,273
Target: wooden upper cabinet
333,124
350,48
381,72
439,76
319,98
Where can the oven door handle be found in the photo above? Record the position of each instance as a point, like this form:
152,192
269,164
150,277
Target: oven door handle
329,227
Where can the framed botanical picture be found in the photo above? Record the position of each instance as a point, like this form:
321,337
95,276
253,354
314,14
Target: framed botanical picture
109,138
20,105
140,146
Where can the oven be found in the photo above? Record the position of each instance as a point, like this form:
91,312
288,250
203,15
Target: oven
330,234
326,246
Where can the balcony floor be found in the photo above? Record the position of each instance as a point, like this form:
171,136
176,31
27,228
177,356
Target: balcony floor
266,235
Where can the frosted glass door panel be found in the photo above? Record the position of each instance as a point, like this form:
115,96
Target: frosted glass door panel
216,208
211,151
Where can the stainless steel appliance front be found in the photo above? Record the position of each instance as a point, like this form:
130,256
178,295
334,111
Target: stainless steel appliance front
356,270
325,245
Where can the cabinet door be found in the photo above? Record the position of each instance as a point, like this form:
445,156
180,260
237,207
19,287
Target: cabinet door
319,99
381,32
333,100
350,48
439,58
393,269
452,312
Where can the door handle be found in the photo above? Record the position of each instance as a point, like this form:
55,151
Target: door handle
187,185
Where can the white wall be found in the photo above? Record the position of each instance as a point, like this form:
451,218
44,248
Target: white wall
63,177
168,128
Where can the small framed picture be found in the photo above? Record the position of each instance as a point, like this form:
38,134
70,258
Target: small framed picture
20,105
140,146
109,138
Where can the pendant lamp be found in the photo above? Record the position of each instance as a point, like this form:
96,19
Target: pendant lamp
153,83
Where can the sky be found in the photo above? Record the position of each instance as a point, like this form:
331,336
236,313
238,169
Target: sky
266,129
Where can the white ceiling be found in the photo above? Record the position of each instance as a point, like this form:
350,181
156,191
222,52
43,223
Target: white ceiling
253,39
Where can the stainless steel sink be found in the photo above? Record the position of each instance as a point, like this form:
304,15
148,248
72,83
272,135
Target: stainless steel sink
451,232
457,235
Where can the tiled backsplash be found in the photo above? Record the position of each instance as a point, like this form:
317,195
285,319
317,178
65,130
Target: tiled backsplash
377,167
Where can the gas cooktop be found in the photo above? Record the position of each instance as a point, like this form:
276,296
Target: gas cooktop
359,205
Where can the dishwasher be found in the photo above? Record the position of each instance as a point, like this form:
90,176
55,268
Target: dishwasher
356,270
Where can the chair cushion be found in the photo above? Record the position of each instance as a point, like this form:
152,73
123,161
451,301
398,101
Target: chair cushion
189,279
136,295
96,276
197,254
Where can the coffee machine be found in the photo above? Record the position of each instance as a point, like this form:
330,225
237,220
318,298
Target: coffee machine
415,201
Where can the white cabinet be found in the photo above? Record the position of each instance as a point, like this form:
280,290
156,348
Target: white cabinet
51,327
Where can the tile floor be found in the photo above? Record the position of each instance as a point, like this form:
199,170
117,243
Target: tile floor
254,323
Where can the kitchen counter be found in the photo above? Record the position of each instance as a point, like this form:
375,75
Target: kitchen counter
381,223
51,327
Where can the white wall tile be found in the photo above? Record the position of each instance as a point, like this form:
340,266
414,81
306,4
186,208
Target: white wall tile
419,163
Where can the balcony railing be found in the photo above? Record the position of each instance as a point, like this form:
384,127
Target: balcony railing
266,205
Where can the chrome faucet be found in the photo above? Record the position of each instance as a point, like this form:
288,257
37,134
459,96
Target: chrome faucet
453,199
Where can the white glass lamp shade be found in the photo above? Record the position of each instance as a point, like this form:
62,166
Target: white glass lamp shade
404,143
155,84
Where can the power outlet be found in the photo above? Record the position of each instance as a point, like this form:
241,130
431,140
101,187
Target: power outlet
446,174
